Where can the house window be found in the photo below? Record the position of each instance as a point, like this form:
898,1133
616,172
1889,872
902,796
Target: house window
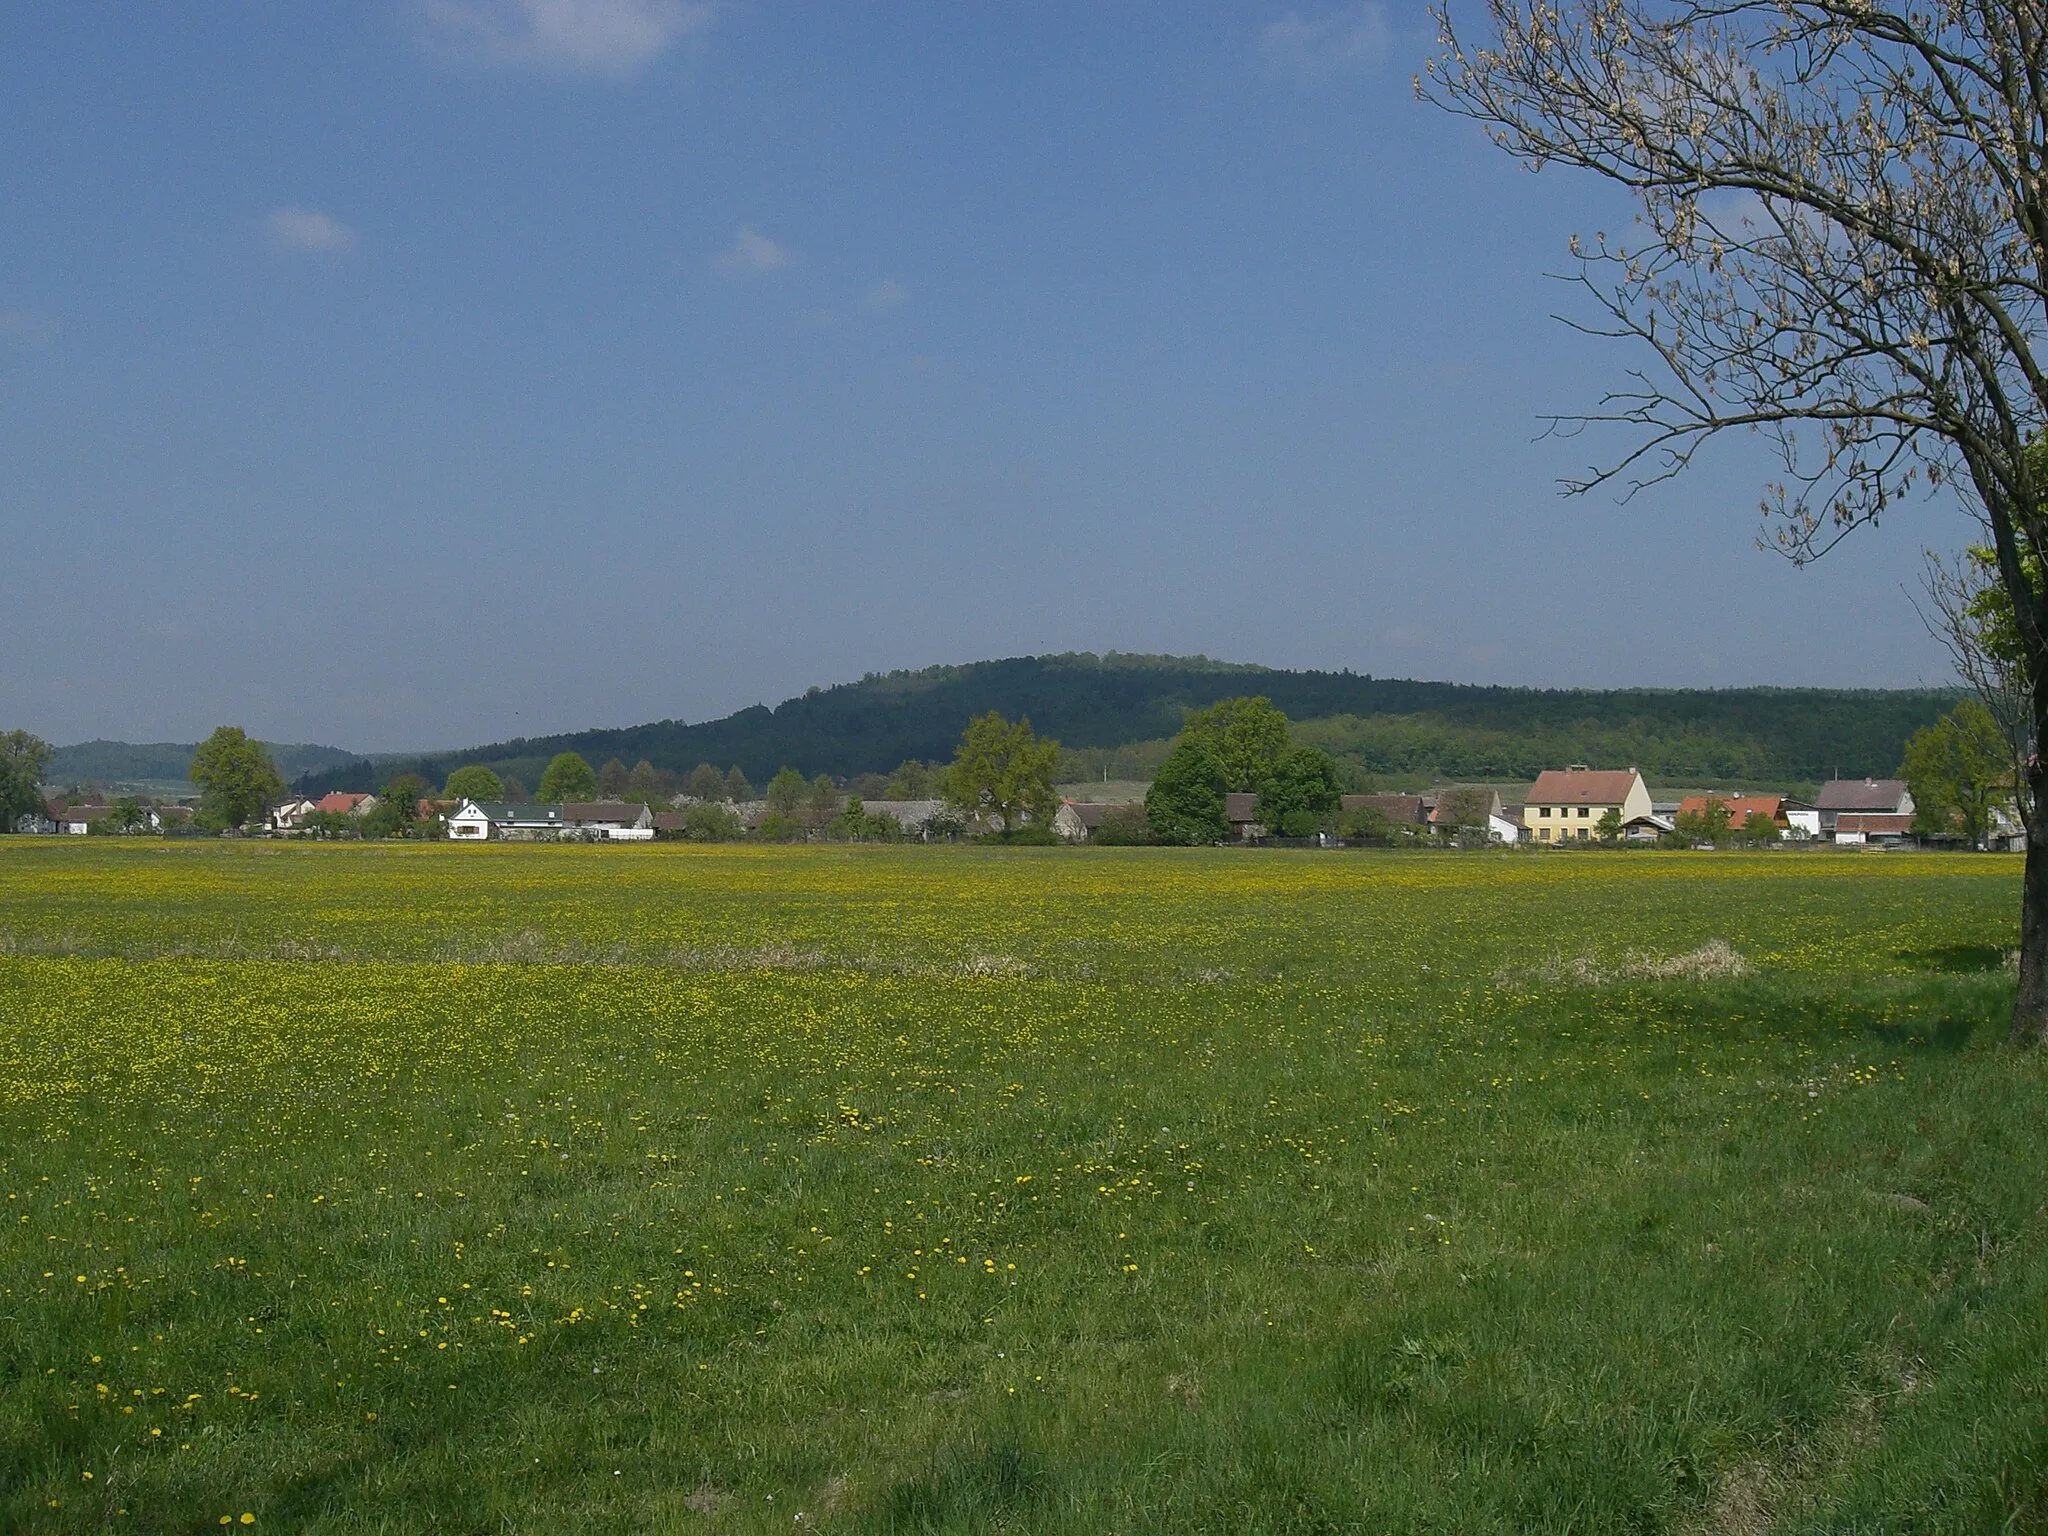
1583,810
1542,810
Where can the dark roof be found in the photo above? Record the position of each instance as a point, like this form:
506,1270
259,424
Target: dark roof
501,811
626,811
668,821
1240,806
1860,795
1402,810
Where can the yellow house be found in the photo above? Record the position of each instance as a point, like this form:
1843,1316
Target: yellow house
1566,807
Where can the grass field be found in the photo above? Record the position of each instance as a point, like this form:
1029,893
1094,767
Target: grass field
568,1189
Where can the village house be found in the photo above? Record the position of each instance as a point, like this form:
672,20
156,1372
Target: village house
1862,799
1444,807
288,815
1740,809
1241,811
1565,806
1856,829
475,821
76,820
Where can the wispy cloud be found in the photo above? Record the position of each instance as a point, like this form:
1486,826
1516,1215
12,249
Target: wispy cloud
611,39
307,229
888,294
1313,48
28,325
752,253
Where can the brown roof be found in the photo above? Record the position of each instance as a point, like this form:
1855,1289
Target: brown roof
1867,821
1240,806
1402,810
668,821
1740,807
1860,795
1582,786
339,803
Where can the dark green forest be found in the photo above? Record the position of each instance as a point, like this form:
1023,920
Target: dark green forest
1383,725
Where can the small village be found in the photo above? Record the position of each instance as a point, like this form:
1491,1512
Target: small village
1570,807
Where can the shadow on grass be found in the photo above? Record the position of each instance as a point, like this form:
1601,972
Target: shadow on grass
1956,958
1949,1012
966,1487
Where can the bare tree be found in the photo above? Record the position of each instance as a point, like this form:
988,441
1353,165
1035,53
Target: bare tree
1842,244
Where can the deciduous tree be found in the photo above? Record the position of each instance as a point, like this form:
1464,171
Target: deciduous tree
22,760
647,785
1247,737
568,777
1300,792
736,786
236,778
612,779
1842,243
474,782
1004,770
1185,803
1958,771
705,783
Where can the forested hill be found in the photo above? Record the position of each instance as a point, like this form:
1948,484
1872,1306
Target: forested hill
126,762
1385,724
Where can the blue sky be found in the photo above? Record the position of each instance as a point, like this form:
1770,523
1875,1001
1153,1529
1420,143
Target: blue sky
423,372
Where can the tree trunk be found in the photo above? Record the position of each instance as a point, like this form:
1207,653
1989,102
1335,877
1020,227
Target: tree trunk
2030,1007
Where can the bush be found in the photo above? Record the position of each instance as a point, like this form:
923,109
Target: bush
1126,827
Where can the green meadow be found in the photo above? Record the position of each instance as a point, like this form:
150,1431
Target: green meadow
672,1189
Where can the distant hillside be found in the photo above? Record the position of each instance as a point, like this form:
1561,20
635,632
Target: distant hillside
122,762
1385,724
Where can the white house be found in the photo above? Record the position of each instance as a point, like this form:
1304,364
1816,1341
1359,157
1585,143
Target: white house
287,816
1860,800
475,821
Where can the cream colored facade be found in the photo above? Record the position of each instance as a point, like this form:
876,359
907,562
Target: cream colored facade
1566,806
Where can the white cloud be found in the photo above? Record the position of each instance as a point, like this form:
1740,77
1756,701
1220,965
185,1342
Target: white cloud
888,294
1309,49
752,252
27,325
612,39
307,229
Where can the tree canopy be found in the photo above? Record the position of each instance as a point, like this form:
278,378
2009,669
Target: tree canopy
1959,772
236,778
22,760
475,782
1300,792
1185,803
1247,737
1004,770
568,777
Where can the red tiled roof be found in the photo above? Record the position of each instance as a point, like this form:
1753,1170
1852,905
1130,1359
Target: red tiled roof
1582,786
1868,821
338,803
1740,807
